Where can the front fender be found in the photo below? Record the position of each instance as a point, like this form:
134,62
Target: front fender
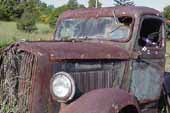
107,100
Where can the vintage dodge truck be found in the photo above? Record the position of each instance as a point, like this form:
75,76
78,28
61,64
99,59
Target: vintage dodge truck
101,60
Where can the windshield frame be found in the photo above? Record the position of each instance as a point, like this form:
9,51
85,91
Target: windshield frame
131,27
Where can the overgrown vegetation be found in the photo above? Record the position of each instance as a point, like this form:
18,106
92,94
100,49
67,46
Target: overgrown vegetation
167,16
13,72
167,12
28,12
9,33
168,31
27,21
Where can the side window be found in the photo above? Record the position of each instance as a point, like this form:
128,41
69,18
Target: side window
150,34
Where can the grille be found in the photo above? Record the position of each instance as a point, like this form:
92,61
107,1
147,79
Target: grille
15,78
93,75
87,81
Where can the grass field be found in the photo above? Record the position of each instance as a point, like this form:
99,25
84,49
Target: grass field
9,33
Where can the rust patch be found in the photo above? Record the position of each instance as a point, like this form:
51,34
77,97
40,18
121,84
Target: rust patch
101,101
108,12
75,50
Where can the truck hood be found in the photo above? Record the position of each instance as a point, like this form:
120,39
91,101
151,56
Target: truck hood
74,50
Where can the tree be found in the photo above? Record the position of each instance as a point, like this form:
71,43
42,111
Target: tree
7,9
27,22
55,14
72,4
124,2
44,12
167,12
13,9
92,3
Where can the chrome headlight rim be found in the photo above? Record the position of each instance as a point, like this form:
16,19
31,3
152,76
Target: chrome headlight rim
72,91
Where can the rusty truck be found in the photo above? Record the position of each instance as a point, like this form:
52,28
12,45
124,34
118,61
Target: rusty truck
101,60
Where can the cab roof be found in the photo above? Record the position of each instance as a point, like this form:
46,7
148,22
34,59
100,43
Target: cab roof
132,11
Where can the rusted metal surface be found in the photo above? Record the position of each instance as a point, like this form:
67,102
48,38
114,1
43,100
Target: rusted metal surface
75,50
142,75
30,82
108,12
102,101
41,101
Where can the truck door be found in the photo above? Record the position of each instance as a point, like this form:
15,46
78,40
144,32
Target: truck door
148,69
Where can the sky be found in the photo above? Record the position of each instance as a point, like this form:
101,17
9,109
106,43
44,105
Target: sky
157,4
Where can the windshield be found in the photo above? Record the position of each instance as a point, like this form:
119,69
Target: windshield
107,28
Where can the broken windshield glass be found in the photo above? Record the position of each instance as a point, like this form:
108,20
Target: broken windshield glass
101,28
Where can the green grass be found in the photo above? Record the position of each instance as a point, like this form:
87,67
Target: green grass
167,56
10,34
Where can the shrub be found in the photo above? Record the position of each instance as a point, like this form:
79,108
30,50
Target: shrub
44,19
27,22
52,20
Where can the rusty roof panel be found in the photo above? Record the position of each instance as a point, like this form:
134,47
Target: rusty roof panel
75,50
132,11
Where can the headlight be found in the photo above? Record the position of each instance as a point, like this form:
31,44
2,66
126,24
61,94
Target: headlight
62,87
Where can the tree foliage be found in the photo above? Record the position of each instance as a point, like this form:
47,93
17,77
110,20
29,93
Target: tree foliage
28,12
72,4
166,13
27,22
92,3
168,31
124,2
55,14
7,9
